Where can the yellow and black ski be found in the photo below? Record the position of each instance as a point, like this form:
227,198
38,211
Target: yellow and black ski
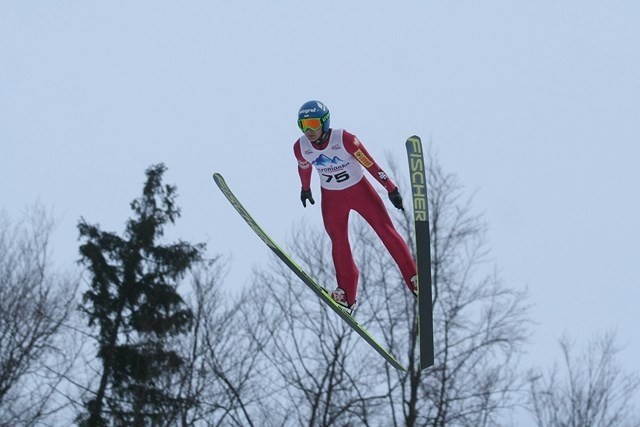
319,290
423,249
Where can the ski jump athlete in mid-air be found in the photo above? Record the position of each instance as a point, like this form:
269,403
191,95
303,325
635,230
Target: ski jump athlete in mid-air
339,158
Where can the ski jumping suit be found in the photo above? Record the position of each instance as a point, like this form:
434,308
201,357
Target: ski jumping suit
339,163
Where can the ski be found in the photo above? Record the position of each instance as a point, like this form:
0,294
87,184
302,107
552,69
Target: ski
423,249
306,279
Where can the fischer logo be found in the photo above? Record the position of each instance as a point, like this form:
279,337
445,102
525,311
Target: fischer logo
418,180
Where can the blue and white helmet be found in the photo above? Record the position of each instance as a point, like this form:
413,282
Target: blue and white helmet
315,109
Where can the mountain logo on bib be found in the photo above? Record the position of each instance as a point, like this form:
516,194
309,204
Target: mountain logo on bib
323,160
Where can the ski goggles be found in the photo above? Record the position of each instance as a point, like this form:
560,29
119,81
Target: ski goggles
312,123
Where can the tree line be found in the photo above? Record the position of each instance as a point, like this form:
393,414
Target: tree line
147,335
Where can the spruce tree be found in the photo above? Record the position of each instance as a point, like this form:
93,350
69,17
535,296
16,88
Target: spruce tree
134,305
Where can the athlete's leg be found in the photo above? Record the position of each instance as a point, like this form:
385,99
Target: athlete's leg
372,208
335,215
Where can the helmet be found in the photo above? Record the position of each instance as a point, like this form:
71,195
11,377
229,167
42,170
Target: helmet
315,109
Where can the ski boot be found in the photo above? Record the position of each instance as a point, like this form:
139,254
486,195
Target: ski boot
414,286
340,297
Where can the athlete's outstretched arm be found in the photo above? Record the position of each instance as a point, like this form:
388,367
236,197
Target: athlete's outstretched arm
304,167
353,145
304,170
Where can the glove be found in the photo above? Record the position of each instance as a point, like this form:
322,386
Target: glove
306,195
396,198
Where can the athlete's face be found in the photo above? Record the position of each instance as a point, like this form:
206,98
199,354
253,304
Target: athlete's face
313,135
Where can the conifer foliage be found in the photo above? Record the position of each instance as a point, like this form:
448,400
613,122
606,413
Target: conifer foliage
133,303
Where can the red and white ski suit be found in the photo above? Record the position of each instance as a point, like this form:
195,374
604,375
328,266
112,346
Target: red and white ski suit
339,162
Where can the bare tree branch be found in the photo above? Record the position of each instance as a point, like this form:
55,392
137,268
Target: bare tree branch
35,303
594,391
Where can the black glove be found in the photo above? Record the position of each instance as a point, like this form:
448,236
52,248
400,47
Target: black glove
306,195
396,199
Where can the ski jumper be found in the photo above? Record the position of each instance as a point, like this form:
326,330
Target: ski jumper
339,162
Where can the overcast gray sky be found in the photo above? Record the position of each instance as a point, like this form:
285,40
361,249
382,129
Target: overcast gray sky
534,105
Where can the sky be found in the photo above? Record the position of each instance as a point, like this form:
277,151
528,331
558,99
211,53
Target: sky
535,106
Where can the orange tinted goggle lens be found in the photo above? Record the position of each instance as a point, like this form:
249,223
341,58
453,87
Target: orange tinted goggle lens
311,123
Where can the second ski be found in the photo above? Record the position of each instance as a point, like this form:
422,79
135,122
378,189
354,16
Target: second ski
423,249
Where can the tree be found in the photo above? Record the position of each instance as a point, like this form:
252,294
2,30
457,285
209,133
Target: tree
321,373
35,304
594,392
223,376
134,304
480,325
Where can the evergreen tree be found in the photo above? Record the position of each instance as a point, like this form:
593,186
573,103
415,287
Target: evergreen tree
134,304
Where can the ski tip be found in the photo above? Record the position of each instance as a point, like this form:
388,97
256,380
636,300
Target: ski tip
413,142
219,180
